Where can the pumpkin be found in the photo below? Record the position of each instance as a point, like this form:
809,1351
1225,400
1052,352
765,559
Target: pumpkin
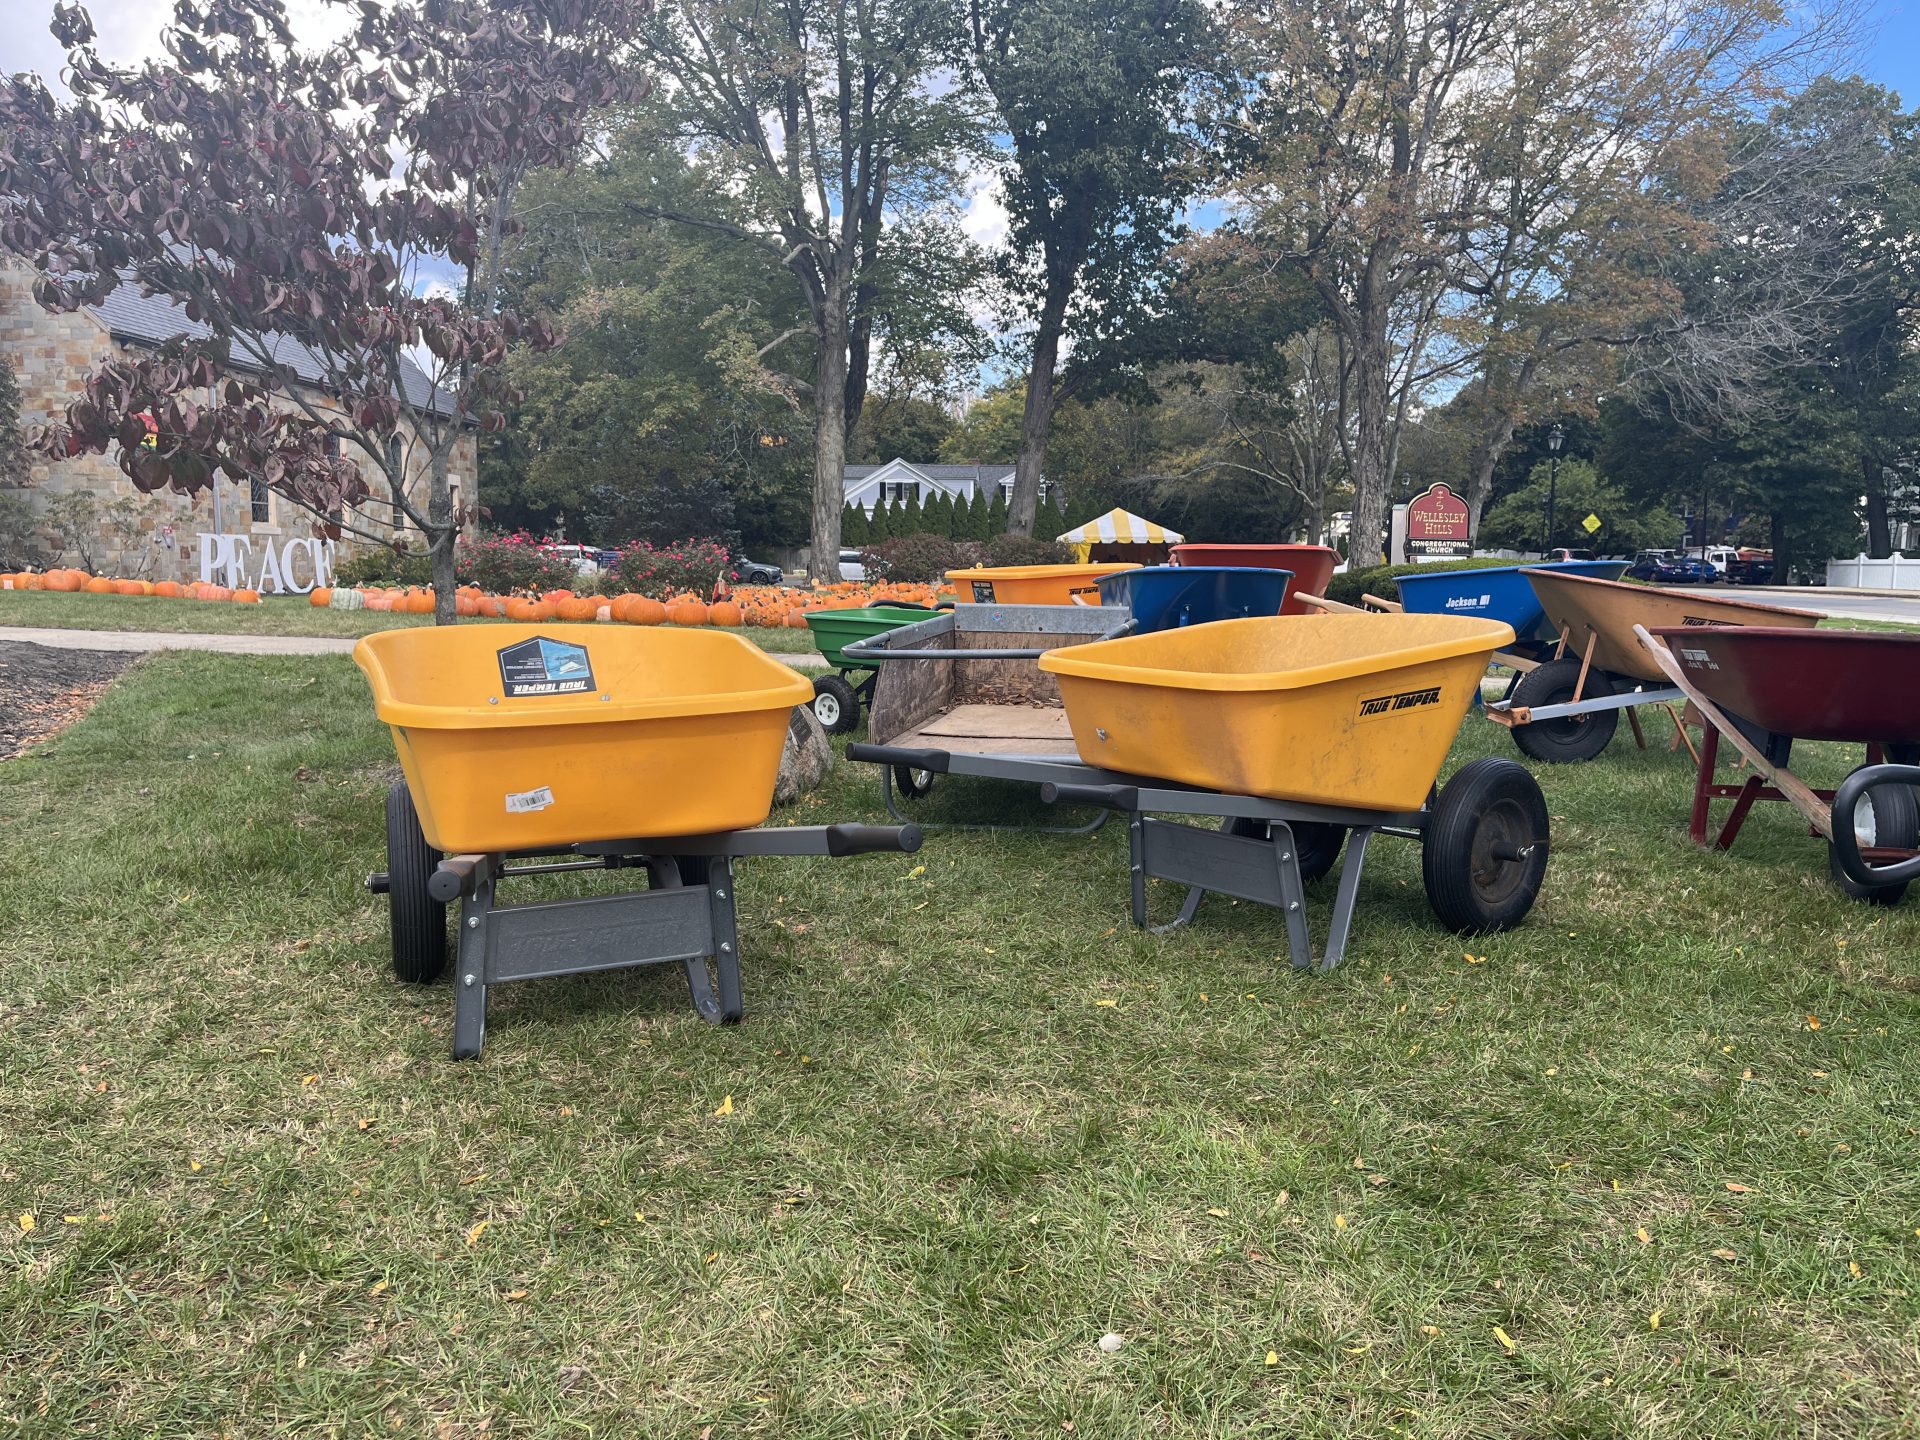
688,612
645,611
420,602
554,597
320,597
465,605
125,587
246,597
725,612
796,619
61,580
347,599
167,589
493,606
544,610
36,582
519,608
379,602
575,607
619,604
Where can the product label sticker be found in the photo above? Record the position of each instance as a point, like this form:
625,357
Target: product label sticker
983,592
545,667
524,802
1378,705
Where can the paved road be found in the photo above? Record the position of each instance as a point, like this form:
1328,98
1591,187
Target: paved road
1903,607
142,641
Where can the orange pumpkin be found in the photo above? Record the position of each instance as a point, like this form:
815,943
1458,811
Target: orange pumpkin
168,589
320,597
420,602
618,606
465,605
688,612
493,606
796,619
644,611
576,607
554,597
246,597
544,610
60,580
379,602
725,612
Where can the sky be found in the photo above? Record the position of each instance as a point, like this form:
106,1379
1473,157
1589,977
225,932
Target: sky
1888,54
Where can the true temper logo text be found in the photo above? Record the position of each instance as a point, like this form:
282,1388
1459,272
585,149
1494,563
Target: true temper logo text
1405,700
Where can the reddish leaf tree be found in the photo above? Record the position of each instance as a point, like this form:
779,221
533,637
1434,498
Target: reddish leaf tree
300,206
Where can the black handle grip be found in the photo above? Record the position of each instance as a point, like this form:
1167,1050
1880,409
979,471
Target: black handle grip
1846,841
453,878
1112,797
873,839
377,882
933,761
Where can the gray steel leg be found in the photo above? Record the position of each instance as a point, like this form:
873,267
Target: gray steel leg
470,979
1293,894
1343,900
726,1007
1137,866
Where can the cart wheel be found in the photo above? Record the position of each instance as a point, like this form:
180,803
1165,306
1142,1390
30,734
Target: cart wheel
835,705
693,868
418,921
1485,849
1571,738
1889,816
912,783
1316,844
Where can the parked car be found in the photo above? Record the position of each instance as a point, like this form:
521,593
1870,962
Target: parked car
1646,565
1565,554
1687,570
851,567
585,558
756,572
1751,567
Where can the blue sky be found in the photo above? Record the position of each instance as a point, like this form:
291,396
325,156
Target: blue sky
1890,55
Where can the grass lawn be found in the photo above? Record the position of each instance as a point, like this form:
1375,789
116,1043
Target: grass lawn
1645,1166
291,615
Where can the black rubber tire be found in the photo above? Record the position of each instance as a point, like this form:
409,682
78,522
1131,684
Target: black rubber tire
417,920
1571,738
1487,803
911,783
1896,824
1316,844
841,712
693,868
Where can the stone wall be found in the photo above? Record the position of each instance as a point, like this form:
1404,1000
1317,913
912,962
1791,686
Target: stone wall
158,536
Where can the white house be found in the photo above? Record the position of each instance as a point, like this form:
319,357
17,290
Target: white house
898,481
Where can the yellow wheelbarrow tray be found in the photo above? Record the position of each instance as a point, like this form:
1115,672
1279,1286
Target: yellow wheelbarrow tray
1347,710
617,748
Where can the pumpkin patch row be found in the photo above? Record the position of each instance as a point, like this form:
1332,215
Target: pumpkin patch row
79,582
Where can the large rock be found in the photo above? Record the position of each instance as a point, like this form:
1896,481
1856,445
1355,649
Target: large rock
805,758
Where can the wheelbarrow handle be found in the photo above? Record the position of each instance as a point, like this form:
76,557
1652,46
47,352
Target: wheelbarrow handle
1123,798
454,877
934,762
1846,840
873,839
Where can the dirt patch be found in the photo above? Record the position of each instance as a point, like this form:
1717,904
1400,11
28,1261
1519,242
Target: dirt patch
44,690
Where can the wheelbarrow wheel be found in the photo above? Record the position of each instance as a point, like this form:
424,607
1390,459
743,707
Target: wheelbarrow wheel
1316,844
1568,739
1889,817
835,705
913,784
1485,851
418,921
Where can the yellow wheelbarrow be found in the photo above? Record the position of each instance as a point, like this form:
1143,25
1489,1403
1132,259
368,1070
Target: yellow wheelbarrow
617,748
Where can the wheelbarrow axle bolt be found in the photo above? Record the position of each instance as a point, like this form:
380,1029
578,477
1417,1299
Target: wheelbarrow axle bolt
1512,853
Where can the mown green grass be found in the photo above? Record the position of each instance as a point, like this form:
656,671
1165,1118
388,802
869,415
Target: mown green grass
949,1169
274,615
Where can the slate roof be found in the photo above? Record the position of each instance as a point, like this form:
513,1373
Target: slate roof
155,319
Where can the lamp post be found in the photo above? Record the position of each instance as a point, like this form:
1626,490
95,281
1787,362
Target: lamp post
1556,437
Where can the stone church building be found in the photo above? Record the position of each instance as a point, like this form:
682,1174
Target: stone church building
232,532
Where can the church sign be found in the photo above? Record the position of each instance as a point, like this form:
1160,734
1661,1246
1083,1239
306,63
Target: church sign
292,568
1437,523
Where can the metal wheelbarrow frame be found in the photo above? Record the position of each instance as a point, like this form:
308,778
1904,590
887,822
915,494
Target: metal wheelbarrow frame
685,916
1484,837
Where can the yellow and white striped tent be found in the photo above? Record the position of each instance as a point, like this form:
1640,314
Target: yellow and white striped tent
1116,527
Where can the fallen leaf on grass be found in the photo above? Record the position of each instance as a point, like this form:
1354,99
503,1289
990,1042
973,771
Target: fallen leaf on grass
74,1219
1505,1339
1813,1022
1339,1222
1429,1329
1734,1187
366,1122
195,1166
1853,1268
1217,1212
379,1287
516,1295
474,1232
1643,1236
473,1179
1273,1357
1724,1254
26,1222
726,1106
1653,1320
1106,1004
308,1079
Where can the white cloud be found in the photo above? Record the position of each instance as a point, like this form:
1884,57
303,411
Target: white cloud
983,217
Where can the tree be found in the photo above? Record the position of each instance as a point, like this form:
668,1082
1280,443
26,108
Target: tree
879,525
16,458
653,418
255,185
853,527
997,513
989,432
1518,520
1097,99
902,427
1419,158
827,123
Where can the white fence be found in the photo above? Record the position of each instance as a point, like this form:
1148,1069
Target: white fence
1860,573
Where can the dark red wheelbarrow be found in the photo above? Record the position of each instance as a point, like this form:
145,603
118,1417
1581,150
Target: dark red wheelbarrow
1763,688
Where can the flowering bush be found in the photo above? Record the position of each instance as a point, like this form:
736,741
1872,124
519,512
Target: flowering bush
503,564
660,571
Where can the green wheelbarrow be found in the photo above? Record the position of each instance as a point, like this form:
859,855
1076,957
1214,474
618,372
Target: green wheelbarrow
837,698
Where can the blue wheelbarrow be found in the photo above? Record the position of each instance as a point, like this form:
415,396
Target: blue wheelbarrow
1167,597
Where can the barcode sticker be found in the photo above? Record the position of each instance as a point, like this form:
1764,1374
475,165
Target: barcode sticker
520,802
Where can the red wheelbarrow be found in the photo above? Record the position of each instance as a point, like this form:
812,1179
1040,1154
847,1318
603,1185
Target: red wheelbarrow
1763,688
